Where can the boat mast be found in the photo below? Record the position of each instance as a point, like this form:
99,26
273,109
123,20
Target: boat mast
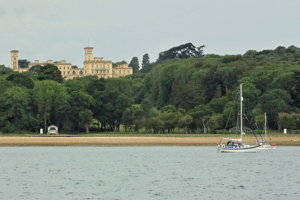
266,126
241,109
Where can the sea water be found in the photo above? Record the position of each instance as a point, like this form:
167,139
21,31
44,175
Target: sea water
156,172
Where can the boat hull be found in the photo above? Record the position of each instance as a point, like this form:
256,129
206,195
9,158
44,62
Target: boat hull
266,147
238,150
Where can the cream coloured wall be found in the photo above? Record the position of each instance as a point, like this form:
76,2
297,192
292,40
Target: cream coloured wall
14,59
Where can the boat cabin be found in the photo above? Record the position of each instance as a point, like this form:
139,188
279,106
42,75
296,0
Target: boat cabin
231,144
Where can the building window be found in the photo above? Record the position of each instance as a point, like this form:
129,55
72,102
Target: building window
74,72
92,71
59,67
107,66
92,65
14,58
64,68
68,67
123,71
85,72
120,72
15,63
108,71
127,72
64,72
68,73
113,71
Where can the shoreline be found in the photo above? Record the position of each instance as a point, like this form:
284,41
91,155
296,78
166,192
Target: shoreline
133,141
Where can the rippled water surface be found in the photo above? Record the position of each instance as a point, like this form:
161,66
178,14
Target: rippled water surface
147,173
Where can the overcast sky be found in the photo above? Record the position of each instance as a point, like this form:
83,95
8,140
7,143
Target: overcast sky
121,29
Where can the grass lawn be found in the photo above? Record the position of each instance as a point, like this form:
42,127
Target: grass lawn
135,134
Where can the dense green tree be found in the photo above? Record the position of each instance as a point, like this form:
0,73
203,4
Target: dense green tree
5,70
230,114
201,115
79,101
289,121
20,79
49,95
36,69
116,97
47,72
134,63
216,122
185,121
184,51
23,63
167,116
273,102
218,104
14,108
130,114
146,60
156,124
250,94
86,118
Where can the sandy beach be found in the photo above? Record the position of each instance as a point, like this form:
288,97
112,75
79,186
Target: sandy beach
75,141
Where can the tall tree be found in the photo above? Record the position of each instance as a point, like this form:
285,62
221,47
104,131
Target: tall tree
201,115
184,51
86,118
49,95
23,63
14,109
47,72
146,60
134,63
79,101
273,102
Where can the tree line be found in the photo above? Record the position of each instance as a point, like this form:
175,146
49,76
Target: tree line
191,94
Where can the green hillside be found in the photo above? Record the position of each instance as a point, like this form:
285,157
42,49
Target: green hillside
189,93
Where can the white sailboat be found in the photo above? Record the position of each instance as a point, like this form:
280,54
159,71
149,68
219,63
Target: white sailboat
239,147
263,145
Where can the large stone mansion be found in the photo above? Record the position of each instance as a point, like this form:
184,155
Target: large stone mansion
92,66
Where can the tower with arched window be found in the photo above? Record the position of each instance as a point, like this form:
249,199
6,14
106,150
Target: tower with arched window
89,53
14,59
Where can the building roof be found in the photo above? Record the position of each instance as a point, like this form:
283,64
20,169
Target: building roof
14,51
100,68
89,48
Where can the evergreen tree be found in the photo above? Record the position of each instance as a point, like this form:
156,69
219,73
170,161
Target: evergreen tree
134,63
146,60
23,63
